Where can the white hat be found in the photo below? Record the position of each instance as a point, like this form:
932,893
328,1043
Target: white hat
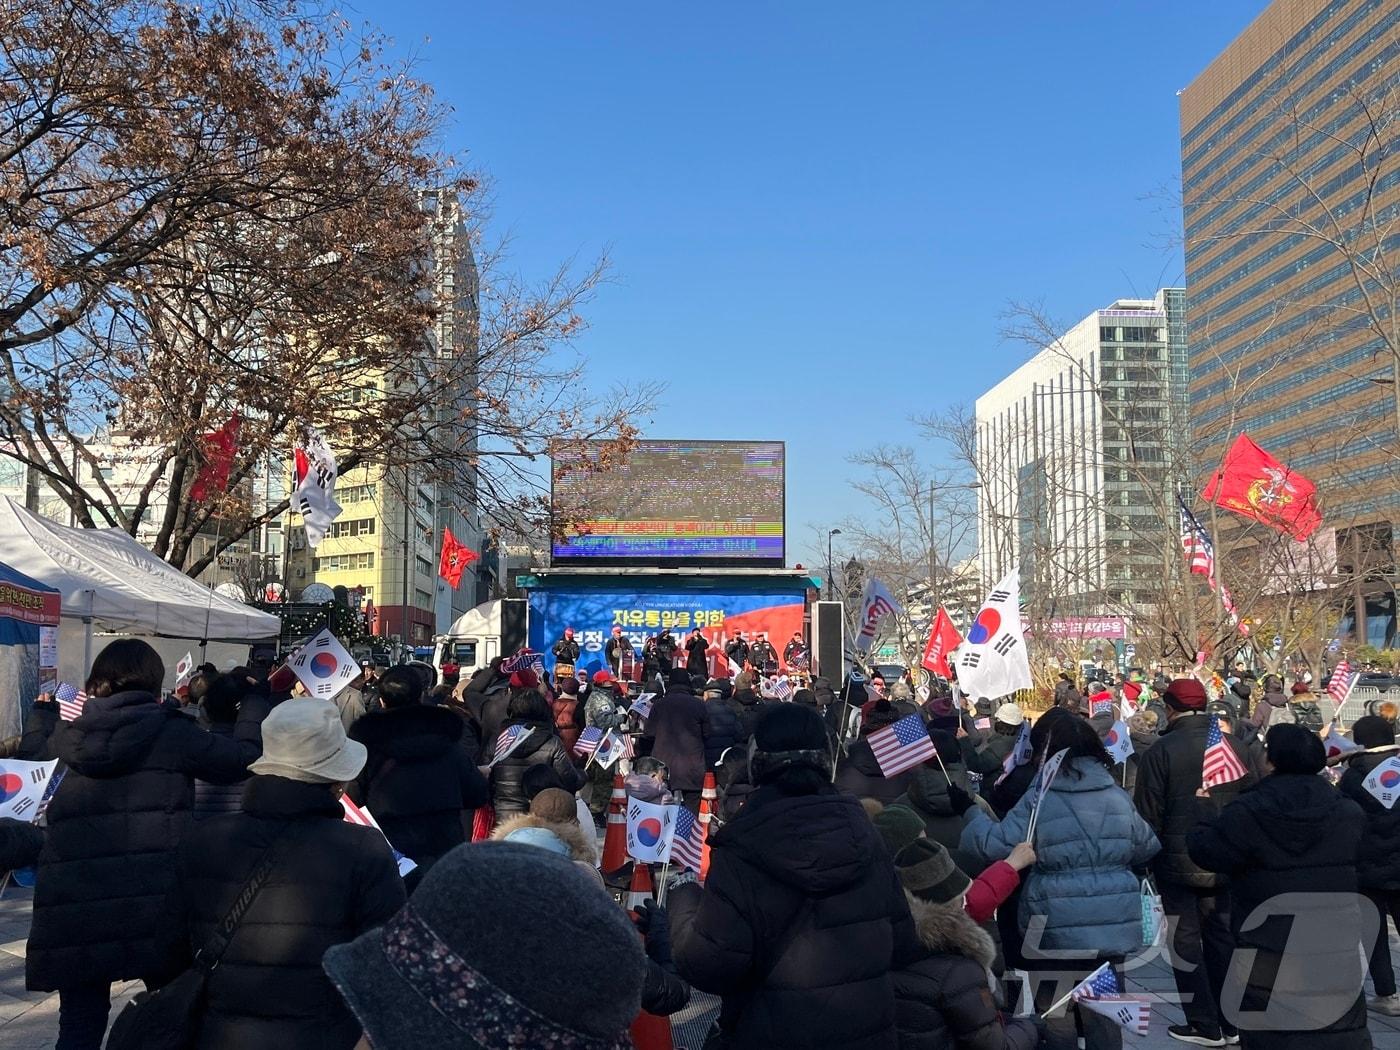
1010,715
304,739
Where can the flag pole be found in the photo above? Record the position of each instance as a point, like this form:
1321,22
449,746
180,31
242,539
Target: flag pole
1060,1002
209,605
942,766
661,882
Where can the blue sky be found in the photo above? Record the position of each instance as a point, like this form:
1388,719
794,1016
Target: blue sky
818,211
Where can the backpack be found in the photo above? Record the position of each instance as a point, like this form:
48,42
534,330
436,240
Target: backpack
1306,713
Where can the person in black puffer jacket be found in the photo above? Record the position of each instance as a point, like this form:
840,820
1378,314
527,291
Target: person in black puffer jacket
330,882
35,744
1378,866
678,727
115,824
540,746
722,728
944,1000
802,919
747,705
1290,848
1168,777
20,843
859,774
418,781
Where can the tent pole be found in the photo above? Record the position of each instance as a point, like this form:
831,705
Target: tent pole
87,636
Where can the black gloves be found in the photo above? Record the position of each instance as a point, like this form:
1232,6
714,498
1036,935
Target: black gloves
960,800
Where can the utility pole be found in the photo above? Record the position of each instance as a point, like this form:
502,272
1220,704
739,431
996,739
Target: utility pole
406,566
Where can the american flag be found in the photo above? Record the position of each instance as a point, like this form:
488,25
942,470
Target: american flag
782,688
687,848
1200,557
521,660
1221,765
506,742
1102,981
641,706
71,701
359,815
1339,688
901,746
49,791
588,741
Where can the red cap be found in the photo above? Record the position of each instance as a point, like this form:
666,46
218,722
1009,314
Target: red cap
1132,690
602,678
1186,694
1300,687
524,679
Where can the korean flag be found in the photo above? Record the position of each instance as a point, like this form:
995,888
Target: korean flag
1384,782
323,666
992,659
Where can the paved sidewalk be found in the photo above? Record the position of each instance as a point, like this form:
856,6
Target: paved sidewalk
29,1020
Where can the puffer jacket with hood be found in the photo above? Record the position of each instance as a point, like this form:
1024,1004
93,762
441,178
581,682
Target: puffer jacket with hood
1378,863
927,795
805,876
115,825
418,781
859,774
541,746
747,706
1088,840
1272,708
944,1001
1293,835
721,731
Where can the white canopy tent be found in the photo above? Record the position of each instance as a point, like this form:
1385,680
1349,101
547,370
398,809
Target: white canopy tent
111,584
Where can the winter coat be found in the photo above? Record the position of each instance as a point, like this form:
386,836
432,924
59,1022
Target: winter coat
1088,840
738,651
859,774
944,1000
566,651
666,646
601,710
582,844
722,731
217,800
36,745
1268,711
986,760
493,720
663,991
20,843
678,726
1002,797
566,719
747,706
352,706
1168,776
613,649
541,746
697,658
762,653
1293,835
927,795
330,882
114,827
805,876
1378,864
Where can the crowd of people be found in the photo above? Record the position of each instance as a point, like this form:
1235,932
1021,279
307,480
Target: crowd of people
841,908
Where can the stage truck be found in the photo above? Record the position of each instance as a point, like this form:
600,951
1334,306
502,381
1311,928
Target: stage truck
681,535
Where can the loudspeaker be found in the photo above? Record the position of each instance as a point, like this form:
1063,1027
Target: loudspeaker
829,642
513,626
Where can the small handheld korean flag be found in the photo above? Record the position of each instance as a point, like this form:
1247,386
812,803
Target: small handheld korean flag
992,659
22,787
1384,782
323,666
1339,746
650,831
1118,743
184,670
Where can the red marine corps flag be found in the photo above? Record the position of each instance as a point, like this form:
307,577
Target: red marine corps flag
1252,483
219,449
455,557
942,640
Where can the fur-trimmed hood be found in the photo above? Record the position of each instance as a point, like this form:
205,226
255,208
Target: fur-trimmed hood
948,930
580,843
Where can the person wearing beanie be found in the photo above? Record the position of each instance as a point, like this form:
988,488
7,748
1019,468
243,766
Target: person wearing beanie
898,826
1195,901
1082,897
1378,863
801,919
539,745
418,781
330,882
114,826
1293,839
942,998
473,960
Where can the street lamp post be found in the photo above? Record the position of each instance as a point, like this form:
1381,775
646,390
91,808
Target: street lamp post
833,532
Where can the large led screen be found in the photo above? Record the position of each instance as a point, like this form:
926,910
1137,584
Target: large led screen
673,503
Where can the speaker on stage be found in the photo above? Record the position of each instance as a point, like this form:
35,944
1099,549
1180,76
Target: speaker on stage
513,632
828,642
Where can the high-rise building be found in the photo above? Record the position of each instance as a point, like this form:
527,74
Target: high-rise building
1291,186
385,546
1075,462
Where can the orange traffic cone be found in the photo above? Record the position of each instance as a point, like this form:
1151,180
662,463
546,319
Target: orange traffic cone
615,842
709,798
642,888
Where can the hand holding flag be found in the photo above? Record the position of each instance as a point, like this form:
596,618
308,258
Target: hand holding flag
71,701
1220,764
